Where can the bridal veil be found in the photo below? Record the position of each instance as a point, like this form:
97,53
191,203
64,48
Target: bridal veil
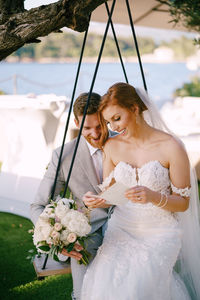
188,264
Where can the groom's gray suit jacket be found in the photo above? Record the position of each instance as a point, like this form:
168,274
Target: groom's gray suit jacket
83,179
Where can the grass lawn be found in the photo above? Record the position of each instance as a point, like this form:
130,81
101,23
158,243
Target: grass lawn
18,280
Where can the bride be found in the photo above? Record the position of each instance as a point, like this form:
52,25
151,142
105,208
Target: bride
151,247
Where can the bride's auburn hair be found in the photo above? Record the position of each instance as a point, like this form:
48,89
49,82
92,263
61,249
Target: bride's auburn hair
124,95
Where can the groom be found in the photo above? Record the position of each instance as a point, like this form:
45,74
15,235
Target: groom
86,175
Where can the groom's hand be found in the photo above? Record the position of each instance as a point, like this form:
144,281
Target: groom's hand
74,253
94,201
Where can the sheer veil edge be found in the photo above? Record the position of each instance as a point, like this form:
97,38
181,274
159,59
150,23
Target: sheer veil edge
188,264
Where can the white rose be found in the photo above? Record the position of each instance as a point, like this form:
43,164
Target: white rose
57,226
55,235
71,238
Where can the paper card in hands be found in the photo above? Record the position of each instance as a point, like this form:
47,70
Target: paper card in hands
115,194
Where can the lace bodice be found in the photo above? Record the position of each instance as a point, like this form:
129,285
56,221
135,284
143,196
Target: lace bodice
152,175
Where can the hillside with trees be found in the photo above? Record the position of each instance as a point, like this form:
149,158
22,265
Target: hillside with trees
68,45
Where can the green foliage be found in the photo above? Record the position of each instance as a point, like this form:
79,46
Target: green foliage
182,47
17,277
185,11
26,51
2,92
189,89
68,45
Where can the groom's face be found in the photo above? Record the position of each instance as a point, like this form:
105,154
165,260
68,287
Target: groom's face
91,128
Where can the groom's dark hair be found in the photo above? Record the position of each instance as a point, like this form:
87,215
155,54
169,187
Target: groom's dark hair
80,103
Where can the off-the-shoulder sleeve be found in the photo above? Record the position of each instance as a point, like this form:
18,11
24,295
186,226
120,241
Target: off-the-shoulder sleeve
106,181
184,192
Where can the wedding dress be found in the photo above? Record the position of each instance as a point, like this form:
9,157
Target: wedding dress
141,245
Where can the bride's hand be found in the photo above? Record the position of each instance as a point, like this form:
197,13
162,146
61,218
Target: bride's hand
92,201
140,194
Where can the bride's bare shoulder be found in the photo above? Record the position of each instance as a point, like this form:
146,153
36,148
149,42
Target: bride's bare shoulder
173,146
113,140
110,144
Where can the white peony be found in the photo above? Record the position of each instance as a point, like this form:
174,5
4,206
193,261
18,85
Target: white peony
61,209
47,213
67,201
76,222
42,231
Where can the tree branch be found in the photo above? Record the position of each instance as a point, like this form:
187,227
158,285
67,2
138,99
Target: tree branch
18,26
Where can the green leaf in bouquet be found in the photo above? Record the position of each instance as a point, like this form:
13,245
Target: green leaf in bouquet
73,205
81,242
52,221
68,193
70,247
55,257
44,248
42,243
85,257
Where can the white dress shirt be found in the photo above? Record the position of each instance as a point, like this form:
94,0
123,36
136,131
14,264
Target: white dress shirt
96,155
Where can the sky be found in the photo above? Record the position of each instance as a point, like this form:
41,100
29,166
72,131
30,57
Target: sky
123,30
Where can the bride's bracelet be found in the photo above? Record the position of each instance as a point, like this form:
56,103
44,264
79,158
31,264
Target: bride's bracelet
165,203
161,200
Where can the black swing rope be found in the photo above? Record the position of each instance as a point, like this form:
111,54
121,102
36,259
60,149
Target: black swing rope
116,42
136,44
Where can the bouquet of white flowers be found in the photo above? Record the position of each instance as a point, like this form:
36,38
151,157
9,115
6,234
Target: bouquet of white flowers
60,226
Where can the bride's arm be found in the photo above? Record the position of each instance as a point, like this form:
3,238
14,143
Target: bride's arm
179,172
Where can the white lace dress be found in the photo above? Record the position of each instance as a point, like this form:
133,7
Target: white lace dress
140,247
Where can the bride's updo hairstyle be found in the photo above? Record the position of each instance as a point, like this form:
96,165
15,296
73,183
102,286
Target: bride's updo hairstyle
124,95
